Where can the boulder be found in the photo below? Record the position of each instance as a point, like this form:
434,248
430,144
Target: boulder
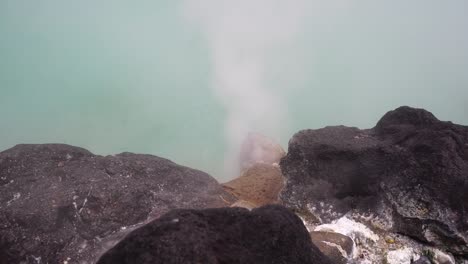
408,175
62,204
259,185
269,234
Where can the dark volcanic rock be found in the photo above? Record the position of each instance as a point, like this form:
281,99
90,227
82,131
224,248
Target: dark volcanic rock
62,203
411,169
269,234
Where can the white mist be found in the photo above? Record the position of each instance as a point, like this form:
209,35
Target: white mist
242,35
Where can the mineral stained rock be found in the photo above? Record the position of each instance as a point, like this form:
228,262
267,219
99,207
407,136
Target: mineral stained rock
266,235
62,204
259,185
407,175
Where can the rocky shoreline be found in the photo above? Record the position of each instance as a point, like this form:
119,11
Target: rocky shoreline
406,179
395,193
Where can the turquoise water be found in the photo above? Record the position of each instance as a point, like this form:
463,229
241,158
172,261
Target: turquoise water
114,76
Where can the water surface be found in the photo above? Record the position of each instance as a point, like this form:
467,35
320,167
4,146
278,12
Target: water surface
114,76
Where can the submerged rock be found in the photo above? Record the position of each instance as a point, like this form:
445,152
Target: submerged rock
407,175
269,235
62,204
258,148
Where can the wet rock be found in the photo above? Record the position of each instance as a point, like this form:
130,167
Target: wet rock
408,175
337,247
259,185
62,203
270,234
258,148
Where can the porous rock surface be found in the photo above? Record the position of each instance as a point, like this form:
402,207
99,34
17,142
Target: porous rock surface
62,204
259,185
266,235
407,175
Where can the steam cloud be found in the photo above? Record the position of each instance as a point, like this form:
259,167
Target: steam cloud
243,35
